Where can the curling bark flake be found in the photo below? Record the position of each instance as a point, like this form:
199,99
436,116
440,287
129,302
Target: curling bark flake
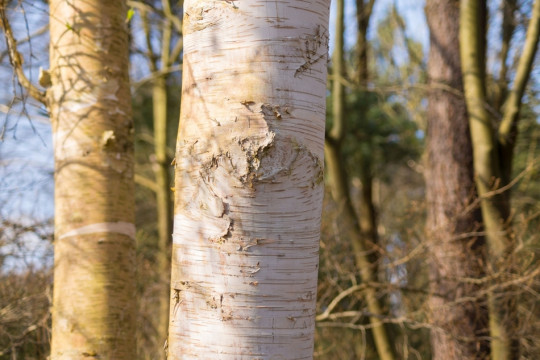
249,185
93,313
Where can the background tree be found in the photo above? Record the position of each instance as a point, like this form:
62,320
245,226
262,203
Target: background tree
90,110
24,305
88,101
362,241
385,122
157,25
458,312
493,149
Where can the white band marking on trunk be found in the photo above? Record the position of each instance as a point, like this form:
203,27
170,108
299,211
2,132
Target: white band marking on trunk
119,227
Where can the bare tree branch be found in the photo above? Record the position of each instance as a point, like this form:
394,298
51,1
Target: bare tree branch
36,33
512,106
16,59
147,183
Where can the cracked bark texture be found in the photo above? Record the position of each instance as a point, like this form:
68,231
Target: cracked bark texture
249,168
90,108
460,318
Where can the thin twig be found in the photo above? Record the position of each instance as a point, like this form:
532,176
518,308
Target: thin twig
16,59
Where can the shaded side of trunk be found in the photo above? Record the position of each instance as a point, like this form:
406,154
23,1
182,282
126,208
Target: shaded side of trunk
90,107
249,177
456,253
163,201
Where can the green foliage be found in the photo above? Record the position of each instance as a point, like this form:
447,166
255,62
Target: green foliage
397,59
130,14
380,134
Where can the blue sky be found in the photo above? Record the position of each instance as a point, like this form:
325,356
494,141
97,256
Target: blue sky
411,10
27,185
22,141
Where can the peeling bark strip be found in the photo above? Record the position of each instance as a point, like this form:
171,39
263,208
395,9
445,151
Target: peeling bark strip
249,180
93,313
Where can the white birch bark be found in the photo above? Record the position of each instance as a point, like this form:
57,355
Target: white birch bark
249,180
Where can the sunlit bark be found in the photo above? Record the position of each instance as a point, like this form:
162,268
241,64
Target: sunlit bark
248,191
90,109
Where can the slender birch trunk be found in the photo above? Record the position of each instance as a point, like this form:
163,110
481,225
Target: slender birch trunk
163,201
160,64
492,156
163,193
368,213
456,253
339,187
249,171
90,109
340,194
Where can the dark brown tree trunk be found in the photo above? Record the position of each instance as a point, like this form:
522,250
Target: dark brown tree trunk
459,318
363,13
368,216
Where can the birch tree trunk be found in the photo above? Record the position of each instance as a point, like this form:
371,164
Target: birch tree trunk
456,252
160,64
163,193
249,171
368,213
163,201
367,221
493,155
339,186
90,109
